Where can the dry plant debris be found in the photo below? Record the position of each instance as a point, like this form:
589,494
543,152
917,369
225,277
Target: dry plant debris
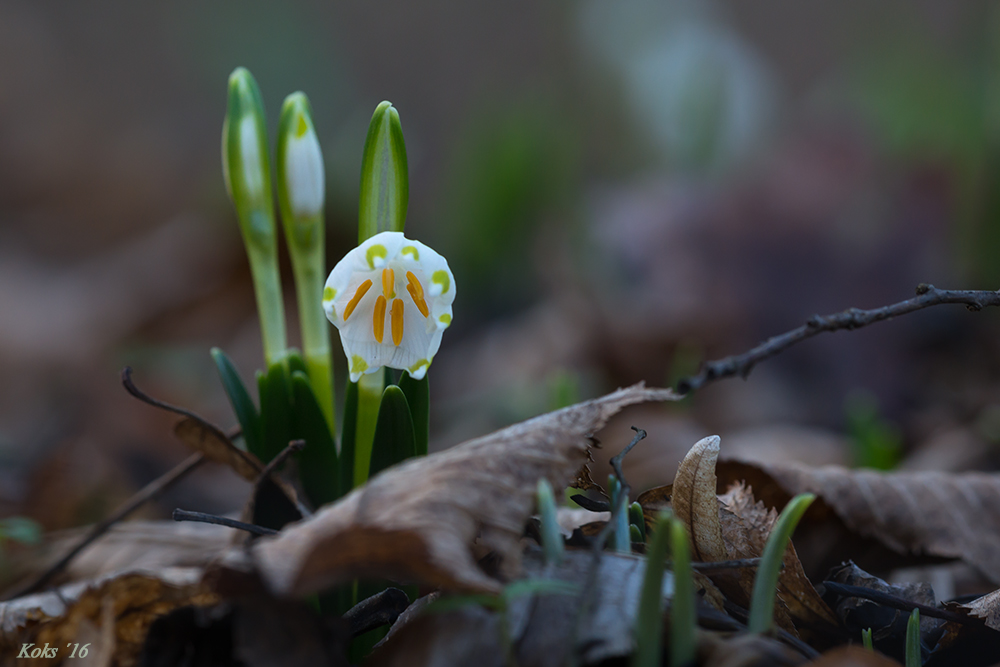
418,521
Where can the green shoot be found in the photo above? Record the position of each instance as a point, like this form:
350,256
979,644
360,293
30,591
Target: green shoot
637,519
913,658
649,618
552,541
866,639
765,584
683,614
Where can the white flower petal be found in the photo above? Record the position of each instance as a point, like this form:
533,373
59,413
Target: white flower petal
354,289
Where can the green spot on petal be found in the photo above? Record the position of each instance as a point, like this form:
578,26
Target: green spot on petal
358,365
417,366
446,318
329,294
376,250
441,278
302,127
411,250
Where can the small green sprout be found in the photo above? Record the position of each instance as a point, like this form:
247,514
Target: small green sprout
866,639
552,541
913,657
683,613
766,582
637,519
247,173
649,618
619,504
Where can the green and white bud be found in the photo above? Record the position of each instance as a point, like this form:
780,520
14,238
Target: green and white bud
385,186
301,194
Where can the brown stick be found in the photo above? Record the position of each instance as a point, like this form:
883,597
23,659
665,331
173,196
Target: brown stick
852,318
144,495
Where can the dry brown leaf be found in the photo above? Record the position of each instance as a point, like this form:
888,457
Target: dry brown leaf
214,444
987,608
75,612
417,521
804,604
695,503
955,516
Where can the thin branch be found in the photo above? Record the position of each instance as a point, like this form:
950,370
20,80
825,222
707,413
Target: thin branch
201,517
896,602
293,446
852,318
727,564
141,497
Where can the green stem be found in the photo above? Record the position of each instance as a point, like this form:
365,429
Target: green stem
682,607
370,388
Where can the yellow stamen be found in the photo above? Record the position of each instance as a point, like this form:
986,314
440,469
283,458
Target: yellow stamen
416,291
353,303
388,282
378,321
397,322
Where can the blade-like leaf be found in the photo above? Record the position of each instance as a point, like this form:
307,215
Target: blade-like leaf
239,398
318,461
394,439
275,404
418,398
384,180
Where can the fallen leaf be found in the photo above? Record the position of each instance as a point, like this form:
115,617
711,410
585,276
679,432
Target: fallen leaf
913,514
804,603
986,607
542,627
418,521
695,503
214,444
75,612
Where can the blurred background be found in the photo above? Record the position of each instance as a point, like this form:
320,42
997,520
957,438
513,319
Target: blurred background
623,190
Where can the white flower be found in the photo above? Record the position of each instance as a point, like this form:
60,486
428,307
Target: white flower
391,299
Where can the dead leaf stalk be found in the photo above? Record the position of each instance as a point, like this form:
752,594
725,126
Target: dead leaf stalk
852,318
185,515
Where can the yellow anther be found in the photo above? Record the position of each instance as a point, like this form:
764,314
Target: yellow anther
397,322
353,303
416,291
378,320
388,283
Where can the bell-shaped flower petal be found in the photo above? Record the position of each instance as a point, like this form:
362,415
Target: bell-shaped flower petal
391,299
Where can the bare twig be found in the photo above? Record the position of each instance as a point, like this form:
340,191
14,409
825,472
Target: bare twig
896,602
185,515
727,564
852,318
293,446
144,495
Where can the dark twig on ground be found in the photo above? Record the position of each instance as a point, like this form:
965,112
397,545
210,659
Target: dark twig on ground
383,608
185,515
852,318
268,470
144,495
896,602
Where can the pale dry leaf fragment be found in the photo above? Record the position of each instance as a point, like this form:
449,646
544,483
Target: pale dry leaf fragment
417,521
916,514
695,503
217,447
987,608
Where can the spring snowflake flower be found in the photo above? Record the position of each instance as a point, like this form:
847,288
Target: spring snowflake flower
391,299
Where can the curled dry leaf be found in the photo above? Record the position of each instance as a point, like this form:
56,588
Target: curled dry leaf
945,515
214,444
417,521
695,502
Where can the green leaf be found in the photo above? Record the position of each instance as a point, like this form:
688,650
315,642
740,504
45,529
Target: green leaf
275,409
866,639
765,583
296,364
318,468
20,529
418,398
394,440
239,398
384,180
637,519
347,437
649,618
